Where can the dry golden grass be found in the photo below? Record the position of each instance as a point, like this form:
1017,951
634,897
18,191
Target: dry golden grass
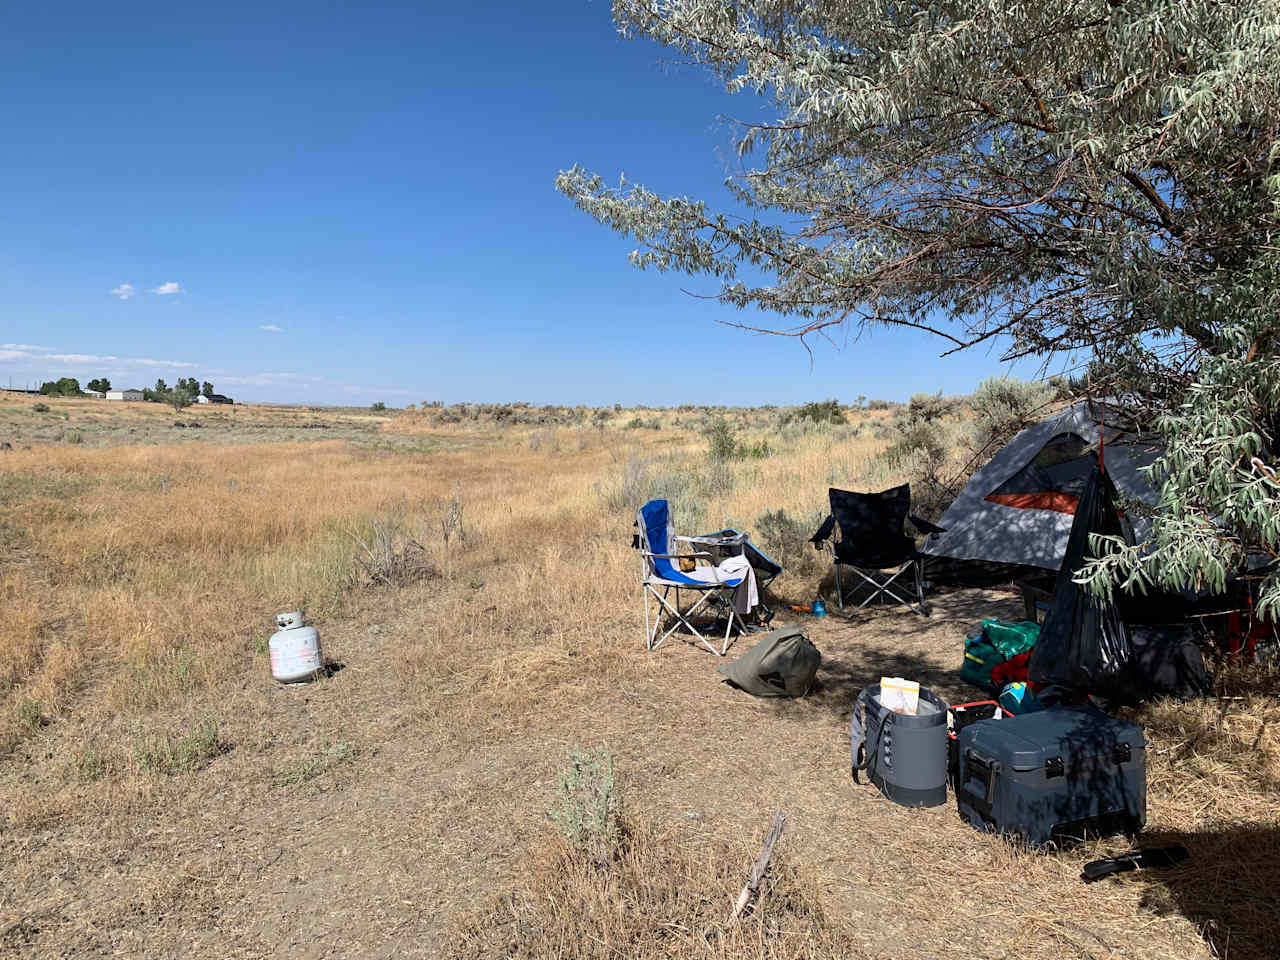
659,892
139,580
153,569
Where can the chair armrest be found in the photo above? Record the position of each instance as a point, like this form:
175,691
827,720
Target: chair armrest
924,526
824,532
678,556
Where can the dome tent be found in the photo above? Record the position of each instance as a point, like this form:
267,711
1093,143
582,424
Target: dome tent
1017,510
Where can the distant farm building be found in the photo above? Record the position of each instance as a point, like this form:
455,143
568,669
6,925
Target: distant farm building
213,398
124,394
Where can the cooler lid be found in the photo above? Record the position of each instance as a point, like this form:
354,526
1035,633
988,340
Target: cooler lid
1025,741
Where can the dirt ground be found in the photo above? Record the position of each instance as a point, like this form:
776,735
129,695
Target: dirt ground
355,828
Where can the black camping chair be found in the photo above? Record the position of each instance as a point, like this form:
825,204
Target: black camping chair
872,541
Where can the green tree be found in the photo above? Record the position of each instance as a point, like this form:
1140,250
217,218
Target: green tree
1101,175
101,385
62,387
161,387
176,398
206,389
188,386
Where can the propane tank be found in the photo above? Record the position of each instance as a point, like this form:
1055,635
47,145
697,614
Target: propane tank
295,650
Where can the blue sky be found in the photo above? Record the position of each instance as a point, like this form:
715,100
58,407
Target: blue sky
344,203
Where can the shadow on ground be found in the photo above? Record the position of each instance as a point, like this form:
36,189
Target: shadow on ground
894,641
1229,888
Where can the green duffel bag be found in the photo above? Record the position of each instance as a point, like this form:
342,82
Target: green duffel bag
1011,639
980,658
782,664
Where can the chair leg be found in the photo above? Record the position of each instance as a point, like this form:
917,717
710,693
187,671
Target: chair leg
887,587
648,634
835,565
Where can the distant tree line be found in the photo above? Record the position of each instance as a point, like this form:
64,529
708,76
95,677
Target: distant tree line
65,387
181,394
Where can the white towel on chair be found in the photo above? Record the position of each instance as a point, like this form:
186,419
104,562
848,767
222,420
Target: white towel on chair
745,594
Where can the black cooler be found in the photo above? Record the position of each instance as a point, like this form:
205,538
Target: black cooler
1054,776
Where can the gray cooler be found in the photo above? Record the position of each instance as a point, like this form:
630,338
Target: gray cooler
904,756
1054,776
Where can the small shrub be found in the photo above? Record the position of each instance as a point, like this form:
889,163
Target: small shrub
585,807
786,538
716,481
187,753
30,714
1002,406
451,517
633,488
921,447
390,552
723,446
40,407
921,436
638,423
72,436
378,407
90,766
326,758
819,411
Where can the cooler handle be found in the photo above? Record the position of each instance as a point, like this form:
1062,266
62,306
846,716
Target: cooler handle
990,769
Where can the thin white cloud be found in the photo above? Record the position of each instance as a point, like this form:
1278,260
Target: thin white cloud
124,291
271,328
142,361
269,379
167,288
24,346
79,358
13,355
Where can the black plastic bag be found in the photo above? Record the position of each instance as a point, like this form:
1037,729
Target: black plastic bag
1084,646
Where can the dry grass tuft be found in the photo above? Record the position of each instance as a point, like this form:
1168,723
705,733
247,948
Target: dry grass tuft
389,553
662,891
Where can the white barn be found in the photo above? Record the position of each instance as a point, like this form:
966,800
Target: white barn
124,394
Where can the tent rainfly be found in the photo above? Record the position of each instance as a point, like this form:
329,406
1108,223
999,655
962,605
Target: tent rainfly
1018,509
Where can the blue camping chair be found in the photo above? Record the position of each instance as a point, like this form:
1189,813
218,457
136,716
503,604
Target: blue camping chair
662,574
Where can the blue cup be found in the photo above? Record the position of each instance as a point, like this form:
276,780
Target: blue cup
819,608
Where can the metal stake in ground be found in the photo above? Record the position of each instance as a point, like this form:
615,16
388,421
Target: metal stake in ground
762,865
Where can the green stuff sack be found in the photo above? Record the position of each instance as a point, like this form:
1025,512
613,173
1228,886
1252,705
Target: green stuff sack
980,658
782,664
1011,639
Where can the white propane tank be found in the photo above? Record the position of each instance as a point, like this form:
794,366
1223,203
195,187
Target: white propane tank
295,649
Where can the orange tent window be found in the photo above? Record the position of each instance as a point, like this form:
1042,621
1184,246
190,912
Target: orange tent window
1061,502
